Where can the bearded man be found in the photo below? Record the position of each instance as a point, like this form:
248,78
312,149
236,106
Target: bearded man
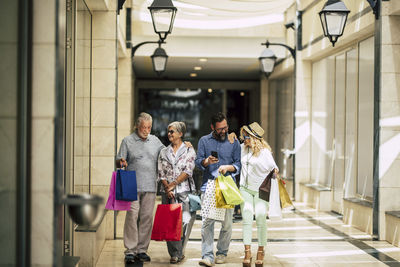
216,154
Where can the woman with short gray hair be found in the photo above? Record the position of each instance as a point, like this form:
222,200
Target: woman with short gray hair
175,170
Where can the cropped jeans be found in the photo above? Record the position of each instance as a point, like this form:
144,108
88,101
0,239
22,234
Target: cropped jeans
253,205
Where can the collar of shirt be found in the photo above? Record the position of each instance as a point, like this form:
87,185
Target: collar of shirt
170,153
137,137
211,136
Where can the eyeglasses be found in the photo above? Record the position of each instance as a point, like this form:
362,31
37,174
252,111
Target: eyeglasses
222,129
246,137
171,131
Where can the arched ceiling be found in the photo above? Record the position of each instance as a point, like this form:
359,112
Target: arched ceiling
226,32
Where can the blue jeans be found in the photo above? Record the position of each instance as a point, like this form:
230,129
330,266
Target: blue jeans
207,236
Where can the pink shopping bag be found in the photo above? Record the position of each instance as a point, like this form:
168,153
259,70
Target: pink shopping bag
112,203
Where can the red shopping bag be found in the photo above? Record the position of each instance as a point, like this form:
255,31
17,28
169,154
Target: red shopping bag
112,203
167,223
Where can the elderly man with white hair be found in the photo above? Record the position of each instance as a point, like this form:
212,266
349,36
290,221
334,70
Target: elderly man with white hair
139,151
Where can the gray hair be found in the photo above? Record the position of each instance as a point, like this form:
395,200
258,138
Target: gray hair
142,117
179,126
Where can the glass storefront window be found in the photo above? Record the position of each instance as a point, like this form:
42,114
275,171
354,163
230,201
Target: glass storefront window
322,126
365,118
351,122
340,118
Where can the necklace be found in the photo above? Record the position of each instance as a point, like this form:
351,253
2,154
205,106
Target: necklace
247,164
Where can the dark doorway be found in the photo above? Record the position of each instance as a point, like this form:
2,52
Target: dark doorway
195,107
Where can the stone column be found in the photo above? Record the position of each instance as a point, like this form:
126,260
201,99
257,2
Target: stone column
43,114
389,158
103,102
303,116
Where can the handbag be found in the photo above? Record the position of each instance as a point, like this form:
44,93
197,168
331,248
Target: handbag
229,189
112,203
208,204
283,195
265,188
219,197
167,224
274,211
125,186
194,200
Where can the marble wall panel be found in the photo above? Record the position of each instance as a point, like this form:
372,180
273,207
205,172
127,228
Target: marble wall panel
104,54
8,144
102,168
8,80
42,155
43,21
390,56
8,229
42,225
104,83
103,141
103,112
104,25
390,30
43,80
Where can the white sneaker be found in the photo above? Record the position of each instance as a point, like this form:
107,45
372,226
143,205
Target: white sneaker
220,259
205,262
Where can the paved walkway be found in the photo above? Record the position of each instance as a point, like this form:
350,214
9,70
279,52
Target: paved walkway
304,237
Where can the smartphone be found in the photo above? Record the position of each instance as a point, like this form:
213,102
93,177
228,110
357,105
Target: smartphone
214,154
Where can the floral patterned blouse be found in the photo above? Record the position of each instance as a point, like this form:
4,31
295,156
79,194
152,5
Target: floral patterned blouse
171,165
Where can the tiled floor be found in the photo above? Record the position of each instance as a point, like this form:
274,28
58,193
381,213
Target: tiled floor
303,237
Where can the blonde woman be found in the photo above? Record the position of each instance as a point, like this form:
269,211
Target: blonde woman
257,163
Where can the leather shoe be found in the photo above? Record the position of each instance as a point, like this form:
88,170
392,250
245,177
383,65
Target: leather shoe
129,258
142,257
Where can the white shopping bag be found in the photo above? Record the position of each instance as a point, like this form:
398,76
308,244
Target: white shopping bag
208,204
275,212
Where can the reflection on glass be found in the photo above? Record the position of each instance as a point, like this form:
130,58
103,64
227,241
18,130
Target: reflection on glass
322,121
284,126
340,100
366,118
82,122
351,122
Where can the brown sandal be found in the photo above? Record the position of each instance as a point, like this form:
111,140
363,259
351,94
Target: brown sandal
260,258
247,262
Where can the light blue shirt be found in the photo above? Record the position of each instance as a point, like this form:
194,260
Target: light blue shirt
228,154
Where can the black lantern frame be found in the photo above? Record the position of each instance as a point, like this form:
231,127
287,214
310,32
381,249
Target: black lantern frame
159,59
163,14
333,19
268,54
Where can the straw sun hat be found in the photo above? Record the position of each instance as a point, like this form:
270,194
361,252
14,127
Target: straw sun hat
254,129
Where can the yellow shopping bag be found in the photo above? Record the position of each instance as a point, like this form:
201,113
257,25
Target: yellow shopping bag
283,195
229,189
219,198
